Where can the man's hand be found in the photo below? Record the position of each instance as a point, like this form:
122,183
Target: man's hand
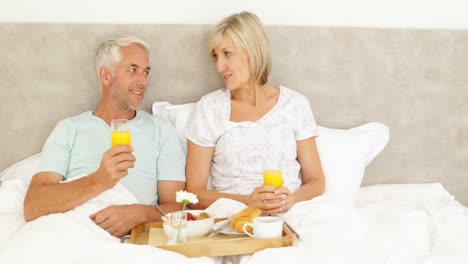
118,220
114,166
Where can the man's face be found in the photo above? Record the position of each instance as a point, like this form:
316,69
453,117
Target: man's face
130,80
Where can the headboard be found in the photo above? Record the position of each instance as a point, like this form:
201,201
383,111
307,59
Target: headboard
414,81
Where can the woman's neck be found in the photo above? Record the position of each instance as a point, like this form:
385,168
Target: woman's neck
253,94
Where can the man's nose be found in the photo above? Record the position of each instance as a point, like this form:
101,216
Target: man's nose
143,79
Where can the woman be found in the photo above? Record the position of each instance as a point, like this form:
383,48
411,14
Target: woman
235,132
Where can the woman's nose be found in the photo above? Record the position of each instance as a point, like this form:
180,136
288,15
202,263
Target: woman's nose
220,65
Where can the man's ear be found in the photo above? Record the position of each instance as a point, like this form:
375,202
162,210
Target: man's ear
105,76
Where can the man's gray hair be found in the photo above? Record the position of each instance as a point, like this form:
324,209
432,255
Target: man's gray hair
108,54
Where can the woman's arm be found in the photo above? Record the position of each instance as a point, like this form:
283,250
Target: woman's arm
198,170
313,179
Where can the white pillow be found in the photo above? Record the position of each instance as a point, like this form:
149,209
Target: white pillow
14,184
344,153
12,194
23,170
178,115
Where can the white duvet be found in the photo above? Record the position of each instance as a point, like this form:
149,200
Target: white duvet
387,224
69,237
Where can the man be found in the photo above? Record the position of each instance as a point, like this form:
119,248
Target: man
154,166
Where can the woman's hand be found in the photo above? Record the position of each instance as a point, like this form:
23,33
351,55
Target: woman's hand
271,200
289,200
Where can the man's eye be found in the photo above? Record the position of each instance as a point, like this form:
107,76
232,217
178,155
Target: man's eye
227,53
147,73
132,70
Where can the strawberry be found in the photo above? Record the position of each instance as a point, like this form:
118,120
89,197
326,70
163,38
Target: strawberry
190,217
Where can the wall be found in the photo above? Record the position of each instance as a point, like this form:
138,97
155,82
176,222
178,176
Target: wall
356,13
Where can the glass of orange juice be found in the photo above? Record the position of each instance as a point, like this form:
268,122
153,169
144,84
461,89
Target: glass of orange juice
120,132
272,174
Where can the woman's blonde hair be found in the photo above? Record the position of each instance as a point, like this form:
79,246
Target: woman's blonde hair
246,31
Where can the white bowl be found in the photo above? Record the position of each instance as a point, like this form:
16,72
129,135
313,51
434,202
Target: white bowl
195,227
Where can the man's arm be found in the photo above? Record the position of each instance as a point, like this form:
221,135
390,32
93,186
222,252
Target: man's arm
118,220
46,195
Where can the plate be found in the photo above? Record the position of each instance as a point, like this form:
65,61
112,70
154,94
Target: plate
227,230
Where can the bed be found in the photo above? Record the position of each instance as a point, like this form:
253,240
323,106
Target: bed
393,115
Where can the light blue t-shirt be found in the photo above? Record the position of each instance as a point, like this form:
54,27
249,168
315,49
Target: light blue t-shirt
76,145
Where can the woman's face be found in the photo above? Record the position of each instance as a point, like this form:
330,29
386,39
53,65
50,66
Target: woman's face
232,64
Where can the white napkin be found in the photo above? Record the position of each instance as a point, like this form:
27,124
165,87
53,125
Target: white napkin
224,207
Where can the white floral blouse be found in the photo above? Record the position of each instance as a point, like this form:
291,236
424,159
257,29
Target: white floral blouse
243,148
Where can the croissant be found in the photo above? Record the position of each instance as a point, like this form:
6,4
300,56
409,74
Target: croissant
245,216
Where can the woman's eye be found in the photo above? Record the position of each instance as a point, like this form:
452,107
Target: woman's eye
227,53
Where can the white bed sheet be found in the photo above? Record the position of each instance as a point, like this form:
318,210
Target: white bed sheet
419,223
414,223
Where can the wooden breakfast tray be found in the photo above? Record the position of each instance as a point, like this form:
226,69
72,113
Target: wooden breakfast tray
220,245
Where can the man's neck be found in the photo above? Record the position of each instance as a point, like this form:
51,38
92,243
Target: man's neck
109,112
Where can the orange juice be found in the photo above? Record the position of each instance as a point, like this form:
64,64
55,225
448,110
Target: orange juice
121,138
273,178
